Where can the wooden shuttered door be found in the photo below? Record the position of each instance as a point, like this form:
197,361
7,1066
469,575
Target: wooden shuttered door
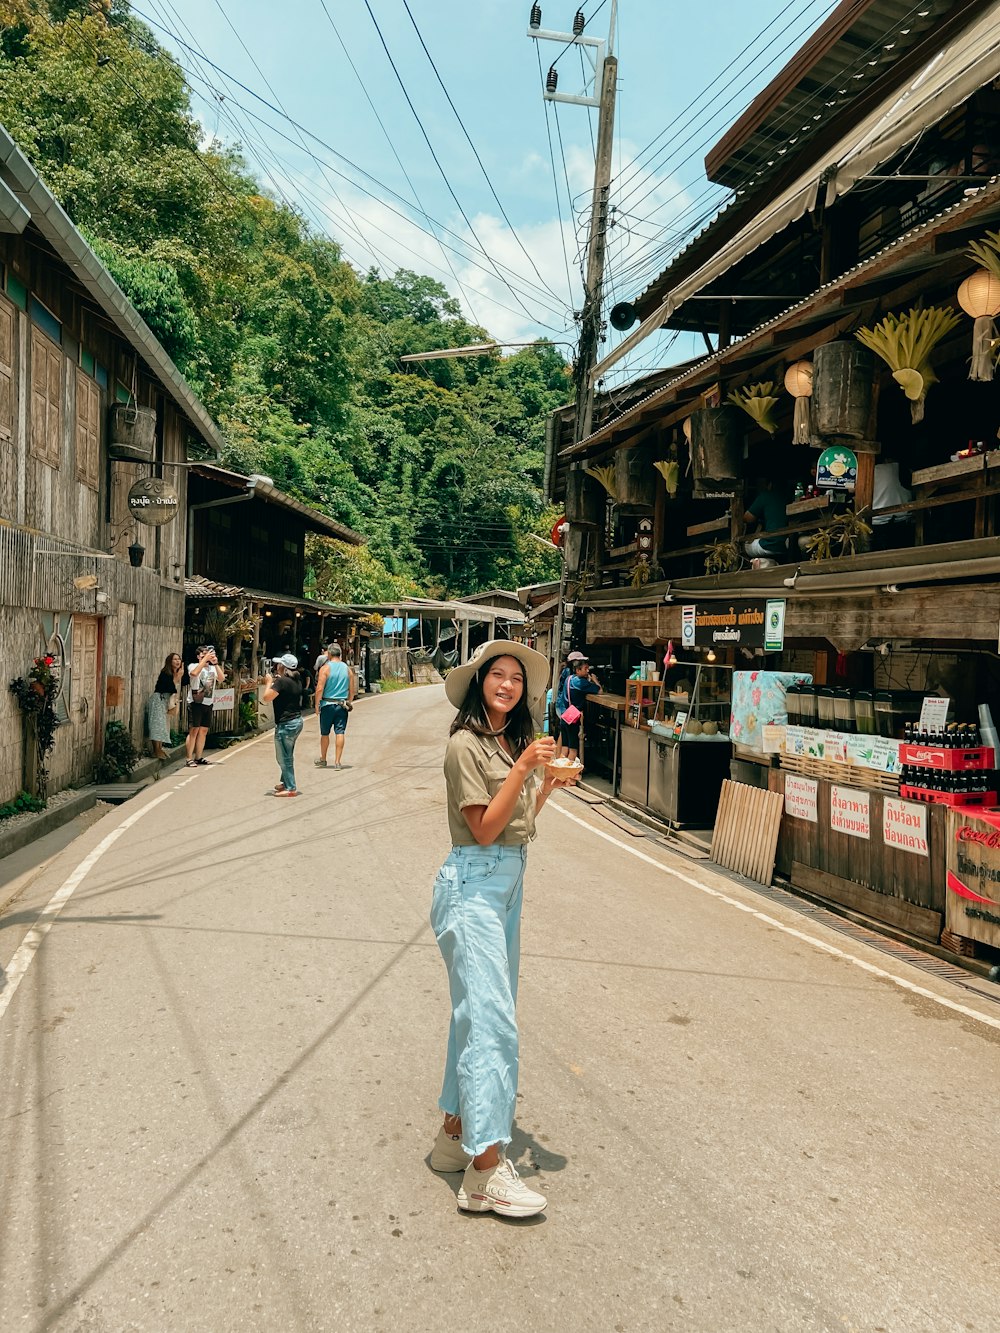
6,374
46,399
88,429
8,461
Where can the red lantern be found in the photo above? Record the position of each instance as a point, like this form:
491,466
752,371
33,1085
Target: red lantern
558,531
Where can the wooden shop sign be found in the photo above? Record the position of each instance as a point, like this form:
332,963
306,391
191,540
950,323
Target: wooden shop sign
740,624
153,501
972,901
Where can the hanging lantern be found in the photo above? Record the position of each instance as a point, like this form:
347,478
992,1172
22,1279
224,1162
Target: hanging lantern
686,428
979,296
799,383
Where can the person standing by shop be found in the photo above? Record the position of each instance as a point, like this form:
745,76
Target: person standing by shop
768,514
335,691
203,677
284,693
493,797
581,682
161,708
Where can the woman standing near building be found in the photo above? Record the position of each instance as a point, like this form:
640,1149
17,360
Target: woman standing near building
493,797
162,704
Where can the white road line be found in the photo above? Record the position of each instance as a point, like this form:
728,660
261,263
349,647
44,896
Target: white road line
830,949
45,920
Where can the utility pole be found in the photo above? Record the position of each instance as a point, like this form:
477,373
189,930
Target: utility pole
599,92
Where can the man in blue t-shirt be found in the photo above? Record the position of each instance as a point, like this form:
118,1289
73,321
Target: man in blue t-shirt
334,699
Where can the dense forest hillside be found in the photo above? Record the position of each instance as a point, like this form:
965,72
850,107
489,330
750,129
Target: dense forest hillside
294,352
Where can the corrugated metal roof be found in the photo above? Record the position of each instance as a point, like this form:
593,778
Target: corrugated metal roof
199,588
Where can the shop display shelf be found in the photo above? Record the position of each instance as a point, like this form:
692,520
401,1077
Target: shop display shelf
952,798
933,756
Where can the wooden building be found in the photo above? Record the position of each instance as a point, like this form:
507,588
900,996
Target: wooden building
90,405
860,176
246,579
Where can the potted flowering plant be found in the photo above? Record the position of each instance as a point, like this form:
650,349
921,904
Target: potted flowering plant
36,695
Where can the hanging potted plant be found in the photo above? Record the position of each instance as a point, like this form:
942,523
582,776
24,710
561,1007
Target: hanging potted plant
905,343
670,470
758,401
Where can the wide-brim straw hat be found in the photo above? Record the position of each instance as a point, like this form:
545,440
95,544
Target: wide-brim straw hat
536,671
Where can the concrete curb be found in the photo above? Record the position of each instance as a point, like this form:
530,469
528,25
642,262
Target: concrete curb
46,821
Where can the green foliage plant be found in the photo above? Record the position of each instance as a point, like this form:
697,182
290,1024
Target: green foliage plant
36,696
120,756
23,803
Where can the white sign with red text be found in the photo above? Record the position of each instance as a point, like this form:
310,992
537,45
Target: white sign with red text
904,825
850,812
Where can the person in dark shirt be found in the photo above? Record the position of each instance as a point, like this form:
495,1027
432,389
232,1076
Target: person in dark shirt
284,692
768,514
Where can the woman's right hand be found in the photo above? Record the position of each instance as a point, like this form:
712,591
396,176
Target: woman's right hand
539,752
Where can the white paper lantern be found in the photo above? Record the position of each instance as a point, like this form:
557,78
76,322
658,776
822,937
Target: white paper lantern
979,296
799,383
799,379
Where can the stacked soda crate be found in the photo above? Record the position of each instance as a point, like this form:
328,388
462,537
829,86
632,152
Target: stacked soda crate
948,767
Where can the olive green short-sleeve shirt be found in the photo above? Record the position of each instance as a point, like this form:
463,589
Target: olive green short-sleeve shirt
475,768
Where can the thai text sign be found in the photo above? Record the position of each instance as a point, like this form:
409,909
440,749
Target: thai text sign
849,811
904,825
800,798
224,699
153,501
742,624
972,901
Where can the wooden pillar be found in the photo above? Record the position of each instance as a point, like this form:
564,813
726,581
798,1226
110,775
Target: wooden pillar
464,654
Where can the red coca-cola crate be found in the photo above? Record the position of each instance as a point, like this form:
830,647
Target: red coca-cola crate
953,798
933,756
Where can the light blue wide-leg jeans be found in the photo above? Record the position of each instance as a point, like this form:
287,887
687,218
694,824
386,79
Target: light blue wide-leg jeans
476,918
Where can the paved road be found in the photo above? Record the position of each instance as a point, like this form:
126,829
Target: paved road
220,1070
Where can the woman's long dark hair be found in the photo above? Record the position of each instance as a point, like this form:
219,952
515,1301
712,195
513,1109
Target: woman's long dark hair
167,663
520,729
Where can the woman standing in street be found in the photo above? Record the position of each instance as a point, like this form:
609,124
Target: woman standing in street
285,693
162,704
493,798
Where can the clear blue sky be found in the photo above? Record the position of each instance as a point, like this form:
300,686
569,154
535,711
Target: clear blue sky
715,56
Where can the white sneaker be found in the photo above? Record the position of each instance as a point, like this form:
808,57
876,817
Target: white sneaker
500,1190
448,1153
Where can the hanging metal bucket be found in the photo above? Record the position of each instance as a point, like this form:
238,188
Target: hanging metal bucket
635,480
843,391
717,442
585,498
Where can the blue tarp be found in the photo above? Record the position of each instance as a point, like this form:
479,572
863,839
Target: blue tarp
394,625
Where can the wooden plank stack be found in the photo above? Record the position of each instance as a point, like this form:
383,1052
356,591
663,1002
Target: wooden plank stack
746,830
